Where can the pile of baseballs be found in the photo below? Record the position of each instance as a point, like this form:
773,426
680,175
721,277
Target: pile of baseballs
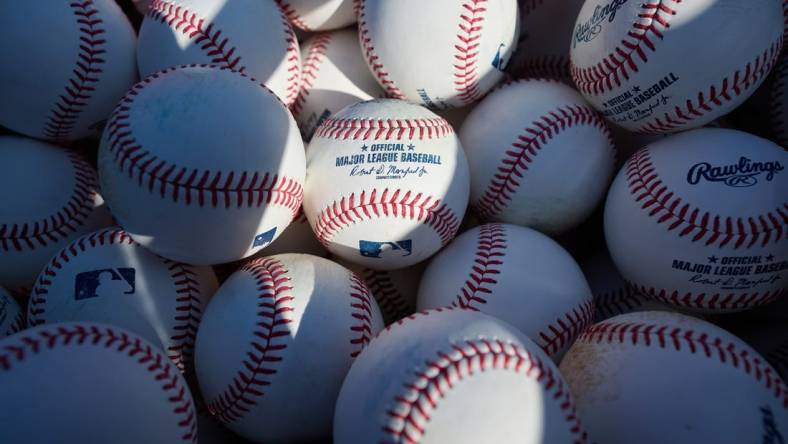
394,221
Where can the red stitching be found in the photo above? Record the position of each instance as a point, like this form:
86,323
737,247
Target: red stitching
60,225
667,208
393,304
189,312
714,301
777,101
292,15
490,250
17,325
274,300
377,129
654,18
209,39
169,180
412,409
85,76
515,163
688,340
740,81
618,301
361,307
466,79
293,61
314,58
563,331
373,204
89,335
546,66
375,65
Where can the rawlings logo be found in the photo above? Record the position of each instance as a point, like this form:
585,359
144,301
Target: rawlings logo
585,32
744,173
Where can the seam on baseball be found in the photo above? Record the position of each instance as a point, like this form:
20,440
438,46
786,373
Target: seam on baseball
566,328
377,129
684,340
466,79
87,68
375,65
684,219
506,181
617,301
488,258
58,226
372,204
188,313
169,180
421,394
719,301
292,15
310,69
392,303
361,312
265,348
146,356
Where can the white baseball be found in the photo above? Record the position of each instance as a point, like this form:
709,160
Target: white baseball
515,274
202,164
318,15
778,103
439,53
663,66
664,377
66,65
85,382
522,141
298,237
250,36
12,318
49,198
108,278
334,75
542,50
387,184
454,376
699,220
276,342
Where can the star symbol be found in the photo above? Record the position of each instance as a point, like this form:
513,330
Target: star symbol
364,147
713,259
411,147
636,89
770,258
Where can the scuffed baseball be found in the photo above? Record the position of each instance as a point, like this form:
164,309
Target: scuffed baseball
202,164
67,64
515,274
542,51
663,67
318,15
50,197
108,278
250,36
460,51
334,75
521,140
387,184
449,376
698,220
12,318
276,342
85,382
674,378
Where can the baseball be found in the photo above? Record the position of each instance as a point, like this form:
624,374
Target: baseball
521,140
249,36
699,220
450,375
208,193
387,184
298,237
49,198
108,278
778,103
334,75
66,65
85,382
517,275
318,15
673,378
672,65
542,51
276,342
12,318
417,54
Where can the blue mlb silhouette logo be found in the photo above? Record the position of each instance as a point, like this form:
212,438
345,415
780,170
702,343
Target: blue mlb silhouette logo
264,239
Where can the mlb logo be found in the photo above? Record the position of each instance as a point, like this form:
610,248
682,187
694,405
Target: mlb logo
381,249
264,239
104,282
